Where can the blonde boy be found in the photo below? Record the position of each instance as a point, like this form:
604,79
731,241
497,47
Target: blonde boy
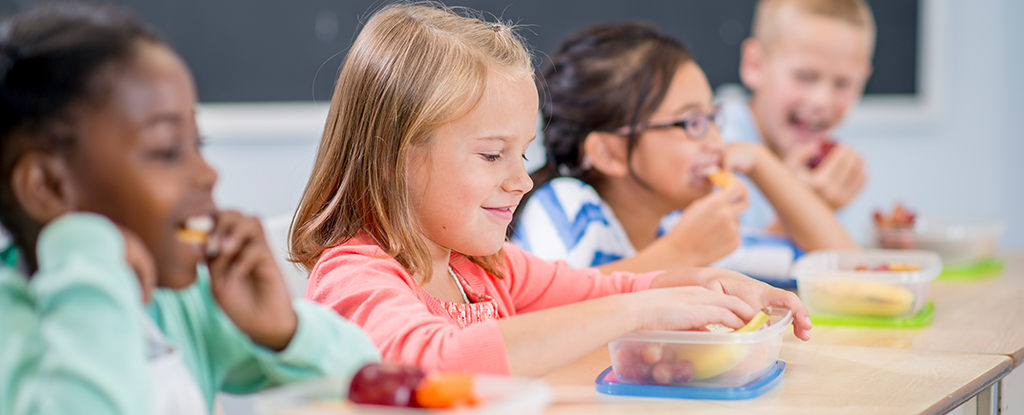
805,65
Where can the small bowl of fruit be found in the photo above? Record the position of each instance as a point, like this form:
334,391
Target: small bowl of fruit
867,283
717,358
966,246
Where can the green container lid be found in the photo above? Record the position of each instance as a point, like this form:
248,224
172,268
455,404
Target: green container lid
972,271
921,319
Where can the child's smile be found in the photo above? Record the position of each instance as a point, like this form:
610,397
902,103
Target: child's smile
805,80
465,183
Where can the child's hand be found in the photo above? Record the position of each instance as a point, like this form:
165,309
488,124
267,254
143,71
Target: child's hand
141,260
688,308
709,228
838,179
247,282
758,295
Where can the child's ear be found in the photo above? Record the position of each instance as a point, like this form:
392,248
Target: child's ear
42,185
751,63
607,153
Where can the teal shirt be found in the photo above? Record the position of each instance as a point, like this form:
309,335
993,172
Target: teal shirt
72,339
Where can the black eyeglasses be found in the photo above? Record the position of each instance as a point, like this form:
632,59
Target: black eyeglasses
695,125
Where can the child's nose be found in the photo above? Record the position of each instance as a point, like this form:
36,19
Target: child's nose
205,176
519,180
713,140
821,95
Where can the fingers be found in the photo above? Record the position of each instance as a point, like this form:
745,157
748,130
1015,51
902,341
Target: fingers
736,305
731,196
685,308
235,244
739,157
801,318
799,154
840,176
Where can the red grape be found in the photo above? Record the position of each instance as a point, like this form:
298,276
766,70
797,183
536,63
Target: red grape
385,384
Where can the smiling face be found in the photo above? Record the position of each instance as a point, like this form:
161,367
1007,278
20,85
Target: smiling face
137,159
466,181
805,80
667,159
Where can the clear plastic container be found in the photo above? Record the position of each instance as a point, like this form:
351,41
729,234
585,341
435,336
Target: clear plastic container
959,241
698,358
834,282
498,395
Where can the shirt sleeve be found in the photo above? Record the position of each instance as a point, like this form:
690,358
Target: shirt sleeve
324,345
565,219
536,284
71,338
377,294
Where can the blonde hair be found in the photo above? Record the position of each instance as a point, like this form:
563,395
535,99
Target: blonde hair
771,15
412,69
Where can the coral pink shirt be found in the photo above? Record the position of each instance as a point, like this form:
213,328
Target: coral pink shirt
359,281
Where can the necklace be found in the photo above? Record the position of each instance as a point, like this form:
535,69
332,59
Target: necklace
458,284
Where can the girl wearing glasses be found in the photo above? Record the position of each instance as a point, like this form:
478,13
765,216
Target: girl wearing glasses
631,134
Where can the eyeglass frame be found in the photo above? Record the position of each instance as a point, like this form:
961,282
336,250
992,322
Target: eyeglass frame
715,117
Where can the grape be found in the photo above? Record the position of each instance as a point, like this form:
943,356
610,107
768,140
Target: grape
662,373
385,384
682,371
624,355
635,373
651,353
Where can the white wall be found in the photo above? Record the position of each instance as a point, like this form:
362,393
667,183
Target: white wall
960,156
964,159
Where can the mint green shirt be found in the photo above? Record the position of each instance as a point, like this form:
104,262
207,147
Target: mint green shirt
72,339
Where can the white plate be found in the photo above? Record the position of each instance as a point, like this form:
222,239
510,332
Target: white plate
500,395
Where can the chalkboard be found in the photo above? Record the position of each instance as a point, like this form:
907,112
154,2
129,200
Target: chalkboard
274,50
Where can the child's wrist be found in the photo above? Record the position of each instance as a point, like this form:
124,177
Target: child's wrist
279,339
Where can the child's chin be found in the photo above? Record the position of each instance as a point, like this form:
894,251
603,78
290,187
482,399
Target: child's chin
484,249
179,281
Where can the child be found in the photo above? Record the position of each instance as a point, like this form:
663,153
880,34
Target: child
805,65
108,202
417,176
630,135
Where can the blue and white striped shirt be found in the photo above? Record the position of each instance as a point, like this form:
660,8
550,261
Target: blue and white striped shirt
566,219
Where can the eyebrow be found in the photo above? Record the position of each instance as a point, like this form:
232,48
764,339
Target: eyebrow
494,138
161,119
686,108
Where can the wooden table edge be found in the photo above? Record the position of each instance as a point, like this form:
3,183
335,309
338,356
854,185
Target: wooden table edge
990,377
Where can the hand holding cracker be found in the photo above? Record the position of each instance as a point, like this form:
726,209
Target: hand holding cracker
719,177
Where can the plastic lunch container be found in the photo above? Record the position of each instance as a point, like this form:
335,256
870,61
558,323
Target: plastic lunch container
830,284
500,395
698,358
959,241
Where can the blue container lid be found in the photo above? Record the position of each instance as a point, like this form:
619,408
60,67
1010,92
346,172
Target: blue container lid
607,383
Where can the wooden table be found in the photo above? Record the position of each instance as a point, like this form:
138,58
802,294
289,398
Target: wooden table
985,316
819,378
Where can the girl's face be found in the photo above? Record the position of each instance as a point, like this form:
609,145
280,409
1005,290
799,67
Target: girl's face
668,159
137,160
467,180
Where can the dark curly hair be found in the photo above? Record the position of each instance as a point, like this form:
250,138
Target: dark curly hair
51,61
602,78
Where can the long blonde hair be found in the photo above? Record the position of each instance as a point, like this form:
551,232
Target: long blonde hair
412,69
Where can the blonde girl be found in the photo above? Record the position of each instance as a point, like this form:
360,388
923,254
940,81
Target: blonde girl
416,179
